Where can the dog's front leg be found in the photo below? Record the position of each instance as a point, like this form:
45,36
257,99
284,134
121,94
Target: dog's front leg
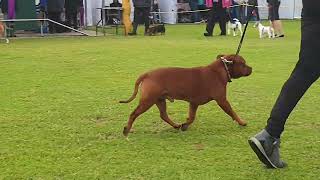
192,115
225,105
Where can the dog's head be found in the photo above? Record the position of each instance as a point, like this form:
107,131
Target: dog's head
236,65
259,26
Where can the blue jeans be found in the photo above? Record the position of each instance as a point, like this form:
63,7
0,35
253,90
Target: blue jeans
194,7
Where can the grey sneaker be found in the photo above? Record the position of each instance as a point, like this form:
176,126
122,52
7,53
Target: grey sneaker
267,148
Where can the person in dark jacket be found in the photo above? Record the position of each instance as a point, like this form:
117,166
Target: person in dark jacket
217,13
55,8
141,15
72,9
266,144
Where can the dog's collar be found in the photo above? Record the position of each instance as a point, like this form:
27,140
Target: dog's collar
225,61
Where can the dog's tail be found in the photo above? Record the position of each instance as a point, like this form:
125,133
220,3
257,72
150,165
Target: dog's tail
136,87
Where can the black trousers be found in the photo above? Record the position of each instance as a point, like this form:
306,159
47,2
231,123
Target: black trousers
55,16
72,18
217,14
305,73
273,8
141,15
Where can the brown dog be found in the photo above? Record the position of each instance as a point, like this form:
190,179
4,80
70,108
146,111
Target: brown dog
197,85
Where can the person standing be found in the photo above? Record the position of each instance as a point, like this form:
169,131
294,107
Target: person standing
141,15
55,8
242,10
195,16
266,144
235,10
72,8
253,8
217,13
43,7
273,6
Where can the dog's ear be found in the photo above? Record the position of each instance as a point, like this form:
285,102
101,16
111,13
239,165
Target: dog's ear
219,56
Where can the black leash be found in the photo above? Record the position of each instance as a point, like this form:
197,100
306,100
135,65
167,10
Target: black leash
244,31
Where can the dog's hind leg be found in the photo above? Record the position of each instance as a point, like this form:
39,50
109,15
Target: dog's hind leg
192,115
161,104
141,108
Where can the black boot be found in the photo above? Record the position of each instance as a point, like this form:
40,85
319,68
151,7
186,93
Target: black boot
132,33
267,148
134,30
207,34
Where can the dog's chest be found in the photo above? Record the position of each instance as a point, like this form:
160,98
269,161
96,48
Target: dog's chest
234,25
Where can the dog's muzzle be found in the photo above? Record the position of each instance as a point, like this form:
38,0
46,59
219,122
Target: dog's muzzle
249,72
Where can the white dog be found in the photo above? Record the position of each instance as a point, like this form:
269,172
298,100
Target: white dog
265,30
234,26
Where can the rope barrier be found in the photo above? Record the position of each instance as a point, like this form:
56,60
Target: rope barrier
204,10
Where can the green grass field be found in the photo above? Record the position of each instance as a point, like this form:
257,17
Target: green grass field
60,117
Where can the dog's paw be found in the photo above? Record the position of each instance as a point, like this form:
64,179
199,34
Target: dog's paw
242,123
177,126
125,131
184,127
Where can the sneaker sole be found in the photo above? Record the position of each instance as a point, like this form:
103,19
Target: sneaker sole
258,149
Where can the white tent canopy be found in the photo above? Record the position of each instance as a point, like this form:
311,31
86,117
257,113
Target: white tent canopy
92,14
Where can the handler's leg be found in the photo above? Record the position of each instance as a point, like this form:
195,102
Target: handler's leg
266,144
